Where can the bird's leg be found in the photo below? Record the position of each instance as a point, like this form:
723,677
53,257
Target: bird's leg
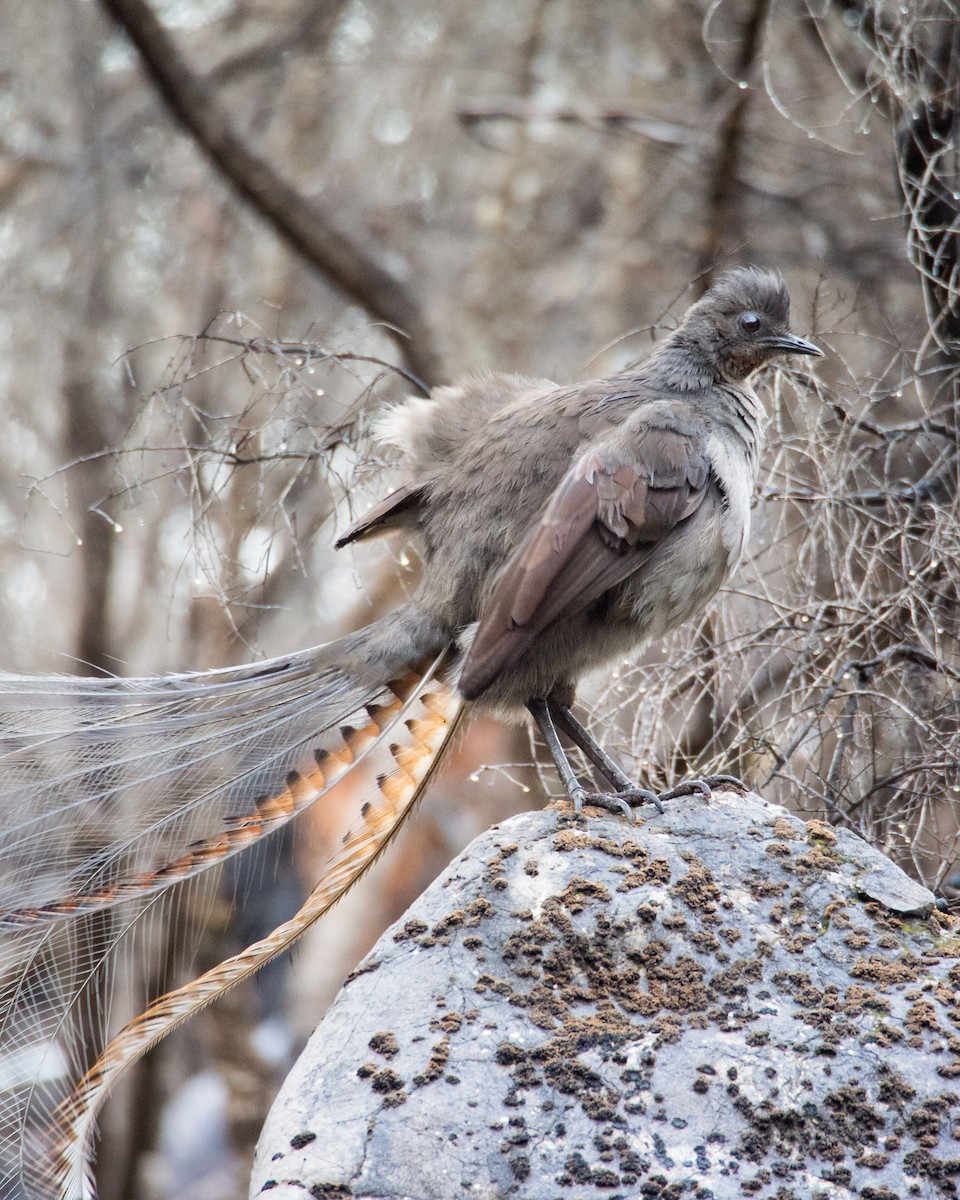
580,736
627,790
703,785
543,713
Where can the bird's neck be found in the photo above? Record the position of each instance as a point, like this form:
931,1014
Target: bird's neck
681,365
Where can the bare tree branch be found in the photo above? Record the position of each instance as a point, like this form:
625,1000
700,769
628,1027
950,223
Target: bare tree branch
726,161
919,62
366,278
926,152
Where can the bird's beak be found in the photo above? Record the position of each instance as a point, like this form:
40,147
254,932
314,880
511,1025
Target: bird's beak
789,343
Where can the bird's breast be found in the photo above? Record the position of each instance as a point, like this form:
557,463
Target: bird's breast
736,477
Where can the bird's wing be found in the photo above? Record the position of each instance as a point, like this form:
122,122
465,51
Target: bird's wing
388,514
607,516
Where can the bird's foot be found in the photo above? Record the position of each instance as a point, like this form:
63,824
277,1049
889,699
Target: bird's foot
703,785
616,802
624,802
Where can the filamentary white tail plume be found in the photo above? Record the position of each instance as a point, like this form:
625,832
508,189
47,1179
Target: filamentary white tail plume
116,791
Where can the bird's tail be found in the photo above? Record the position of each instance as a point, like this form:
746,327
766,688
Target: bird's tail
112,792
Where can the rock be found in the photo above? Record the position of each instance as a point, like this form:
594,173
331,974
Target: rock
720,1001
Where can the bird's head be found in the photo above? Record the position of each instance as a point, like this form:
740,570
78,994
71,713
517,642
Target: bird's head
742,322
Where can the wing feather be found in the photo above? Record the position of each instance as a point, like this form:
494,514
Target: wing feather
390,513
601,525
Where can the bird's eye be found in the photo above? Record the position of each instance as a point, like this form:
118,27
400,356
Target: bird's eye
750,322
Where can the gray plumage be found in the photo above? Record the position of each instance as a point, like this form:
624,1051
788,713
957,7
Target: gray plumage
560,527
564,527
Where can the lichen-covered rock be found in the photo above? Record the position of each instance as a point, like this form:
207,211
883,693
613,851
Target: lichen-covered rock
720,1001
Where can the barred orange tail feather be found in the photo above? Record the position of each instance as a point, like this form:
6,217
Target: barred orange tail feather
67,1175
302,786
116,798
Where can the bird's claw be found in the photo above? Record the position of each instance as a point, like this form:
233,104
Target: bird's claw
617,802
734,782
635,796
704,785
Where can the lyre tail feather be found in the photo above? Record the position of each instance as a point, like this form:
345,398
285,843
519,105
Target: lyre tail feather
417,757
301,786
115,789
114,792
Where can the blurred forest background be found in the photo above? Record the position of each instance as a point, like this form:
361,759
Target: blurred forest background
222,250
